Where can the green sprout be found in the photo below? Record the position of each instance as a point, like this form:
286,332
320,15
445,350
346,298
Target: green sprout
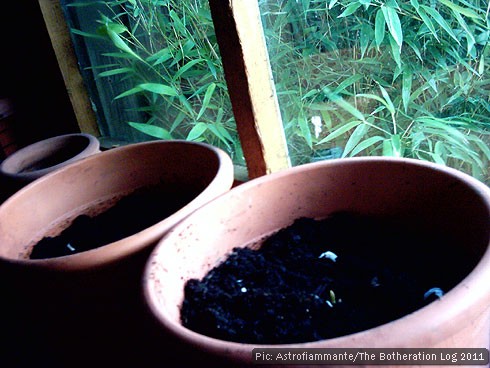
333,299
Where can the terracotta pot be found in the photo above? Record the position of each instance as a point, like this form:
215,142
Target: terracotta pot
421,195
8,139
43,157
96,294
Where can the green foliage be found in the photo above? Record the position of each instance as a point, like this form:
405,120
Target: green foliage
397,78
400,78
167,51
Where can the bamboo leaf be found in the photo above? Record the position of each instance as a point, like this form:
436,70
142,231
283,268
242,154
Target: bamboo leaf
160,56
118,55
440,151
406,88
177,121
470,38
443,126
116,71
437,158
392,146
177,57
346,83
339,101
427,22
415,4
186,67
393,23
198,91
197,131
224,132
387,148
214,129
326,118
130,92
340,131
355,138
482,146
366,144
440,20
379,28
459,9
439,134
365,38
481,65
187,105
415,49
350,9
212,69
115,27
121,44
389,103
207,98
373,97
158,88
396,143
305,130
309,94
86,34
177,23
395,52
152,130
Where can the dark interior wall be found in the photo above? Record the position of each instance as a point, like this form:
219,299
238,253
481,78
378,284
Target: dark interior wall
29,75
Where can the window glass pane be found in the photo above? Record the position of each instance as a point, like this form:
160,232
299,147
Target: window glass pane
399,78
153,70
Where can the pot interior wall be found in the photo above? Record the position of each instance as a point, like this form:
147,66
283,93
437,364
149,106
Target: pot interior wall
421,198
46,154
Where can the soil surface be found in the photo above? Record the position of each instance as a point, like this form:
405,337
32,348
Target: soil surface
320,279
130,215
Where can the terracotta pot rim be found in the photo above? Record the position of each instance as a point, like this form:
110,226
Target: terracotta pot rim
122,248
10,166
460,298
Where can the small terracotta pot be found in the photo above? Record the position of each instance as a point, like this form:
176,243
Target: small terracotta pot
40,158
8,138
96,294
421,195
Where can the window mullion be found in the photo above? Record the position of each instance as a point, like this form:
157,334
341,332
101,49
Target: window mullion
248,74
68,64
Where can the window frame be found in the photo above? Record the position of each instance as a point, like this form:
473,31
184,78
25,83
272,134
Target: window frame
67,62
247,70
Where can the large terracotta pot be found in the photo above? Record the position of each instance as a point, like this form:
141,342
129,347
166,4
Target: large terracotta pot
40,158
91,299
421,195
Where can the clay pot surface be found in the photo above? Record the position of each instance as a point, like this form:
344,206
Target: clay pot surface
43,157
49,205
8,138
420,194
97,292
38,159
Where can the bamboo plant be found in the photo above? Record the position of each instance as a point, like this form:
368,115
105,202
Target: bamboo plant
399,78
396,78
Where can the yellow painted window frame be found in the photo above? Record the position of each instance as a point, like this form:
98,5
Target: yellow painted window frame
59,35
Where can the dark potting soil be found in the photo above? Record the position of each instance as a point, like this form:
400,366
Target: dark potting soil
320,279
130,215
